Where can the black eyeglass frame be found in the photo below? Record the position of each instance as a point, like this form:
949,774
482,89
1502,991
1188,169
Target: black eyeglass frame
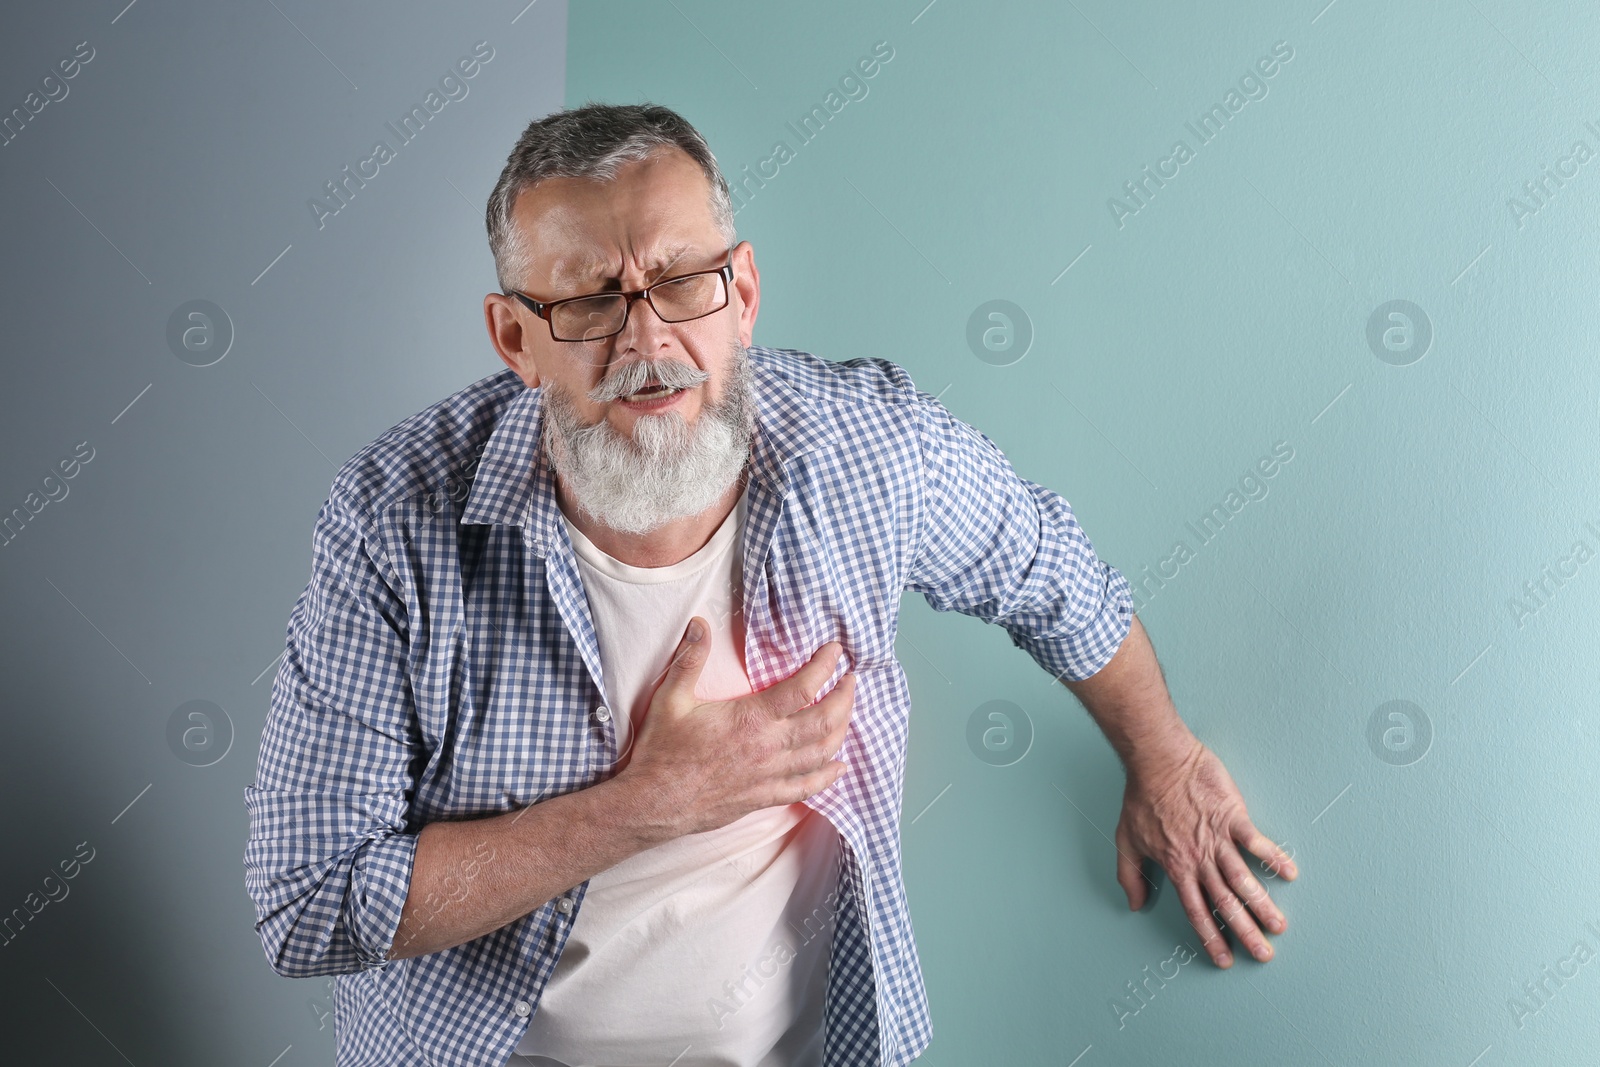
545,308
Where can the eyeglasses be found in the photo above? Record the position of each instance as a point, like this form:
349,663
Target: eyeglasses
602,315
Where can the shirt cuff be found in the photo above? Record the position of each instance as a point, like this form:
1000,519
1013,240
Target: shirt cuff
1078,654
380,881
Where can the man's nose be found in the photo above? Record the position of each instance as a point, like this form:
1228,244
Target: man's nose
643,330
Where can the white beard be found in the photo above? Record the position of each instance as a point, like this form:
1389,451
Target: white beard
666,470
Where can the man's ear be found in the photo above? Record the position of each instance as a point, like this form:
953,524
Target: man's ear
747,282
509,338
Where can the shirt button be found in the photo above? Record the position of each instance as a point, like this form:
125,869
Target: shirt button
522,1009
602,713
564,905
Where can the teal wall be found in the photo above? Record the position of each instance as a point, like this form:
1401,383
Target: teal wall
1445,863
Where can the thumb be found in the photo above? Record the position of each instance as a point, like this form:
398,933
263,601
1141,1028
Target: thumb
691,654
1130,875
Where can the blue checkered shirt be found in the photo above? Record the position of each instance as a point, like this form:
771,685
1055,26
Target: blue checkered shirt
442,664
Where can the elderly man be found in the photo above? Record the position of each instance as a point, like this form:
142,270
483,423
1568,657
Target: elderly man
588,744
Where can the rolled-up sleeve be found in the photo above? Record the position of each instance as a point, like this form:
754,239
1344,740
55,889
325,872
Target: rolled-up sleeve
1006,550
328,863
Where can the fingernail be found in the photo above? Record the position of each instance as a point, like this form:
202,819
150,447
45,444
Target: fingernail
696,631
1224,959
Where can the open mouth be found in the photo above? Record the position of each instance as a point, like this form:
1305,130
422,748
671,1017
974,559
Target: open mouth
653,393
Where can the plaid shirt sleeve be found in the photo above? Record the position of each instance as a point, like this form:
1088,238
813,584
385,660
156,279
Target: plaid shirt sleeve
327,862
1006,550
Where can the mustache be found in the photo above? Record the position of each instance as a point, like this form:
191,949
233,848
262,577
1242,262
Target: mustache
634,376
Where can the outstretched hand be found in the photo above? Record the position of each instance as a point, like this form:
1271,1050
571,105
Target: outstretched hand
1190,818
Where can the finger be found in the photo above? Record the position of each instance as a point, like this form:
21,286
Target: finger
1277,860
799,690
827,714
813,747
1235,914
1254,895
833,712
816,733
684,669
1129,876
1194,906
797,788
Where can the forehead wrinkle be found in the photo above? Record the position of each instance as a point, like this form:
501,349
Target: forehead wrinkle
576,268
587,268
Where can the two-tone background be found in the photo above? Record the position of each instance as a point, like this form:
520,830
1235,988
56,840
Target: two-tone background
1155,251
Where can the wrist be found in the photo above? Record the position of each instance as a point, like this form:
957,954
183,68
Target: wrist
643,807
1159,756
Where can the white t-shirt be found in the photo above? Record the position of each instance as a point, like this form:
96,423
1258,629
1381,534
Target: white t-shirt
712,948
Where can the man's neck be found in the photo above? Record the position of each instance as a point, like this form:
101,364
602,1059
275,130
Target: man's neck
661,547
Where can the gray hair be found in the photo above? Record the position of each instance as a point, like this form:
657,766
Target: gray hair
591,141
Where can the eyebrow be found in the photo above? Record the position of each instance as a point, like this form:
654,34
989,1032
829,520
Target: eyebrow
586,269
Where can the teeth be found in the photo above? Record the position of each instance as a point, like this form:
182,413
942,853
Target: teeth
654,394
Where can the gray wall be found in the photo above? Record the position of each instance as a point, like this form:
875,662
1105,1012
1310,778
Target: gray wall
177,168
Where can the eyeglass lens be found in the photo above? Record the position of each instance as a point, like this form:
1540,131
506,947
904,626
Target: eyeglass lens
677,300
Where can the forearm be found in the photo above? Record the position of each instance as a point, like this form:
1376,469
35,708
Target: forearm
472,877
1129,701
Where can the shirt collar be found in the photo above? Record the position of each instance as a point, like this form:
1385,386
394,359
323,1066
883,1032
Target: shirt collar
515,486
